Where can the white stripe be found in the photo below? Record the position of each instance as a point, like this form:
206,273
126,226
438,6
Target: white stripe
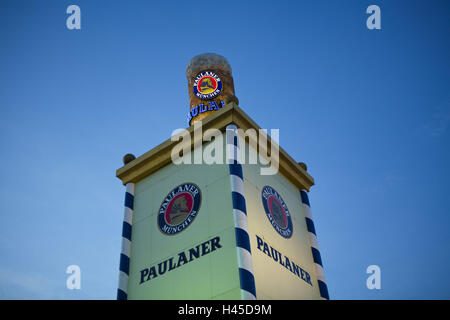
231,127
247,295
307,210
237,185
128,216
320,273
237,154
123,281
245,259
313,240
126,247
231,133
230,153
233,154
240,220
130,188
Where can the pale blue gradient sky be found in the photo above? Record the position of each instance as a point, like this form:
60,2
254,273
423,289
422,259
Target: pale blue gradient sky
368,111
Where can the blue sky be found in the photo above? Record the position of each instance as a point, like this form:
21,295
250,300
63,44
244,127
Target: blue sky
367,110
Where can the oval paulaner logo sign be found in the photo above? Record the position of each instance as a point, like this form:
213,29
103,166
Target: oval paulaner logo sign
179,208
277,211
207,85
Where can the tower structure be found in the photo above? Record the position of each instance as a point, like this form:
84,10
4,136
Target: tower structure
204,221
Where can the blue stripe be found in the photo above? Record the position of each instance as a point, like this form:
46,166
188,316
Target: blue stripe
121,295
310,225
316,256
305,198
238,201
236,169
242,239
235,141
247,281
129,200
124,264
323,290
126,230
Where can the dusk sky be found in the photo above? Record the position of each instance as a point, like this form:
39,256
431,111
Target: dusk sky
367,110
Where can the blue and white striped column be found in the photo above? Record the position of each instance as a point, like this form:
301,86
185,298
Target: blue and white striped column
244,253
126,243
314,246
